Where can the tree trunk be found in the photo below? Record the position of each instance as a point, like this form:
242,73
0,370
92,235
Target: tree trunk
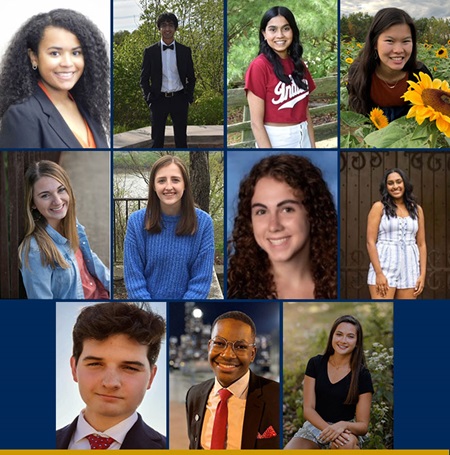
199,173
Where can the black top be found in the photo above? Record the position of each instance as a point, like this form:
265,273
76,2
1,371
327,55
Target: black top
330,397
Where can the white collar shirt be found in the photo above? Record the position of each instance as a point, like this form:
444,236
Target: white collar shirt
236,412
118,432
171,81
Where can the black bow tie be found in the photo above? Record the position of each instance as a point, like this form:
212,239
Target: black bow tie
171,47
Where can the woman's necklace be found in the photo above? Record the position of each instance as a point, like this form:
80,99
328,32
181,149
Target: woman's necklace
387,84
338,367
392,86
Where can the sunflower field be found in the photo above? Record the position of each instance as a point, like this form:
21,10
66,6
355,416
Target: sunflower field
427,124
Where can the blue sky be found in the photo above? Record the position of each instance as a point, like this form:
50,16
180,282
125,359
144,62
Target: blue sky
126,14
416,10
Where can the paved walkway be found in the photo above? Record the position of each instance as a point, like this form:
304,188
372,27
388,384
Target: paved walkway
90,177
206,136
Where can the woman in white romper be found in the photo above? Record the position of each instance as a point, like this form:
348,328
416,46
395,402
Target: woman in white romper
396,241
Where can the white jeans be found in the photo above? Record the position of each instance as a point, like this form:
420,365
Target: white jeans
289,137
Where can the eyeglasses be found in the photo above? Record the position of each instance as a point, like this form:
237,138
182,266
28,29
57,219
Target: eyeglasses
239,347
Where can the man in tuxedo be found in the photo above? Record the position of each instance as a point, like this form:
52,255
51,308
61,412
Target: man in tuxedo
251,402
167,81
115,347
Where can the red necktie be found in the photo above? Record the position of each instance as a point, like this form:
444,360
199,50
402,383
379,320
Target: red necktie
219,433
99,442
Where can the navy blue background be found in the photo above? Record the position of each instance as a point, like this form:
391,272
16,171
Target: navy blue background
421,376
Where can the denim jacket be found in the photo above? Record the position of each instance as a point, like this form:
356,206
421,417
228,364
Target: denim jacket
44,282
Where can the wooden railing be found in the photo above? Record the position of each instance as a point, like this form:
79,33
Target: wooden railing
123,208
322,101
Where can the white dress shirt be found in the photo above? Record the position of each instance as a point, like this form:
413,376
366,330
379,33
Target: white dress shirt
118,432
236,412
171,81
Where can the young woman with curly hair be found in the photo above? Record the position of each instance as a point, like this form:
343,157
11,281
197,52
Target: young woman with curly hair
378,76
284,240
54,84
56,259
278,84
396,241
337,392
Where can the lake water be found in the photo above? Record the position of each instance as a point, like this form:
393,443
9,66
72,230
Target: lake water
127,185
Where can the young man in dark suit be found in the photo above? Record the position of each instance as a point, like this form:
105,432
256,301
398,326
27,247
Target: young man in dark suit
253,406
168,81
115,347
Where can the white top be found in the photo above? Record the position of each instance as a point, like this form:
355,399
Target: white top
236,412
117,432
171,81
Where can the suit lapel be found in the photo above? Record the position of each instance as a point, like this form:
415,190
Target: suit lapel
64,435
55,120
200,410
253,413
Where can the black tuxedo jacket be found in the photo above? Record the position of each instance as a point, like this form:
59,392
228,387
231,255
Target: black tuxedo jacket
262,410
36,123
140,436
151,73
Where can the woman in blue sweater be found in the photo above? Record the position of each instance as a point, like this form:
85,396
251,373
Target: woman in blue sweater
169,246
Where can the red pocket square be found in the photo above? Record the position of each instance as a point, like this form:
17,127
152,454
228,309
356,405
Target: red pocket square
269,433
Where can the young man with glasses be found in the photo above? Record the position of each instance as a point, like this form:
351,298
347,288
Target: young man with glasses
168,81
252,403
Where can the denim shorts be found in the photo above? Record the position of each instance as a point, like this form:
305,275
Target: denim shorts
311,433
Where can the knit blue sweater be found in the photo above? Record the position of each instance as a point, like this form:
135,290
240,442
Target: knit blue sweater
166,265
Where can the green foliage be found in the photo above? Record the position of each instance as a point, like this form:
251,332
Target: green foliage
317,21
429,29
380,364
200,29
207,110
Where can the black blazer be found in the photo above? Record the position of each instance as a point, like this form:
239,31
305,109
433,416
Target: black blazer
262,410
140,436
36,123
151,73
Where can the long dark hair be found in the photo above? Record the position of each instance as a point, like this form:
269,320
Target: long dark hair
358,359
362,69
249,266
187,225
18,80
295,50
408,196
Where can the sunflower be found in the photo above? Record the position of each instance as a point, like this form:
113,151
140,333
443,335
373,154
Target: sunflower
378,118
430,99
442,53
349,60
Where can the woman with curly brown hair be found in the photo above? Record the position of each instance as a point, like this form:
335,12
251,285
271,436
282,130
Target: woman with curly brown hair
54,84
284,240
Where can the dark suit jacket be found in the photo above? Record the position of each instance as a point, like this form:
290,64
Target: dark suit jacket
262,410
151,73
36,123
140,436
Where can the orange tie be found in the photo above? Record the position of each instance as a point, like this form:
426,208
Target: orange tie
219,433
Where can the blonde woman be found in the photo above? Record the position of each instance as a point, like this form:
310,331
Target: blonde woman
56,259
